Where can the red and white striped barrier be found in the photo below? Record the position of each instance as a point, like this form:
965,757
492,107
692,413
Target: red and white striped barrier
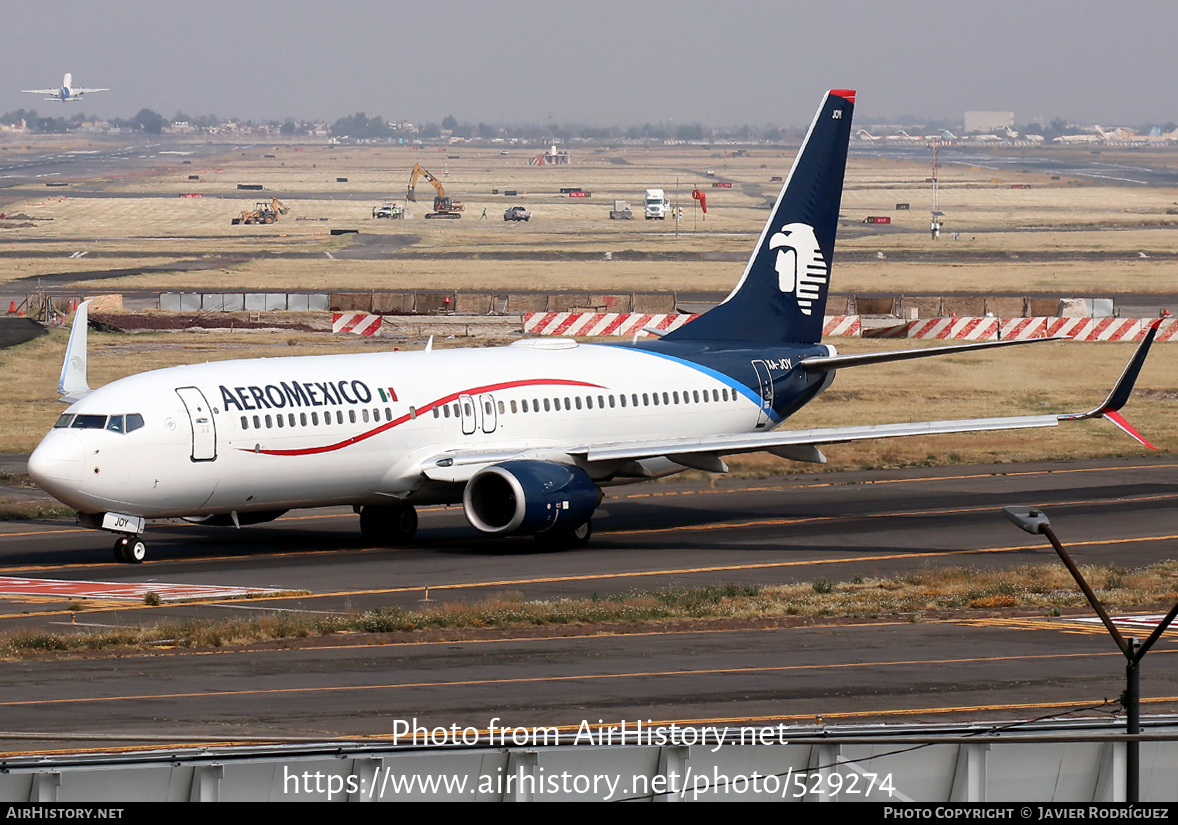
848,326
1167,330
590,324
1097,329
1010,329
625,324
964,329
1021,329
357,323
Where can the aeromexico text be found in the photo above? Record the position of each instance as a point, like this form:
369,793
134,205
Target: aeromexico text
306,394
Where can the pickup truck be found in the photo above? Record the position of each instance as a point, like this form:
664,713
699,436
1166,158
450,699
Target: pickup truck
517,213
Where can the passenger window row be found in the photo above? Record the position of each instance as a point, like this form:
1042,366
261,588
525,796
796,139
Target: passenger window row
601,402
302,419
456,410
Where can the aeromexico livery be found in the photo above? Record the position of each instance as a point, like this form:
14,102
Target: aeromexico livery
66,92
523,436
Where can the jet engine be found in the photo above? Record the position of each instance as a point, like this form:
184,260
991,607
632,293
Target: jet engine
530,497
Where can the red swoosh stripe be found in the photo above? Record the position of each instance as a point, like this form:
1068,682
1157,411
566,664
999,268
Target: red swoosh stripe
388,425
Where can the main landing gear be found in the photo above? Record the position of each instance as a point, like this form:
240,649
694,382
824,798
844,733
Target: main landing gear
566,538
130,550
390,525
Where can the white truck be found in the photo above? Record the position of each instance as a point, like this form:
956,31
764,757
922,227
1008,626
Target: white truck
657,206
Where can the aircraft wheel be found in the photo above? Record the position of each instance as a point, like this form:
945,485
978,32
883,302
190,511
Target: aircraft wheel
136,551
389,525
404,524
566,538
581,534
130,550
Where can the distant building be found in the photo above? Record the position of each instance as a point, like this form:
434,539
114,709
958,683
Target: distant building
988,121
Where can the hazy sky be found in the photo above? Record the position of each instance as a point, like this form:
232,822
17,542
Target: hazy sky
606,62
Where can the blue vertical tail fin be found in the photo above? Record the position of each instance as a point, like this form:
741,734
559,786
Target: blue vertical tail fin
781,297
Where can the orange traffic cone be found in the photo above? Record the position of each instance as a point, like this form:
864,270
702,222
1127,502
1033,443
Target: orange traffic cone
11,307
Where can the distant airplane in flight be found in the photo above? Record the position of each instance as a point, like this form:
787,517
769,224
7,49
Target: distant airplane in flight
66,93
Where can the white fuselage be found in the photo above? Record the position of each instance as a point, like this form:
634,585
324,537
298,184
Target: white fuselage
272,434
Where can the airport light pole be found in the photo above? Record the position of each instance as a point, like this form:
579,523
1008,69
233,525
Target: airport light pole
1035,521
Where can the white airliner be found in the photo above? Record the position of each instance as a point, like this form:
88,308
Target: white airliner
66,92
524,436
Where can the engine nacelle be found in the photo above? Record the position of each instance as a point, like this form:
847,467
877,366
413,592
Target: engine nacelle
529,497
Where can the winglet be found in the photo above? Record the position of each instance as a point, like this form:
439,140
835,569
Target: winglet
1110,409
1120,393
72,384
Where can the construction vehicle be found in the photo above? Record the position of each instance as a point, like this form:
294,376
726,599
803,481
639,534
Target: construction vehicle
390,209
621,212
262,213
444,207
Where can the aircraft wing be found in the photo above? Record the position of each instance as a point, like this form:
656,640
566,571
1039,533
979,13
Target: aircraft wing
803,444
41,91
834,362
88,91
773,441
703,452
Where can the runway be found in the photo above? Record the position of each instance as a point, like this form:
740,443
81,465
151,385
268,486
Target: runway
671,534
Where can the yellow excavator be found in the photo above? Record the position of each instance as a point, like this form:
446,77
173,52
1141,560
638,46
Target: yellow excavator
443,207
262,213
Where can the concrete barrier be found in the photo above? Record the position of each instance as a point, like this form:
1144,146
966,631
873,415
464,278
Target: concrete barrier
594,324
963,306
1097,329
356,323
351,302
428,303
1017,329
265,301
846,326
964,329
222,302
392,303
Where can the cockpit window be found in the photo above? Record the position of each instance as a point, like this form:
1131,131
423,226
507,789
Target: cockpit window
114,423
89,422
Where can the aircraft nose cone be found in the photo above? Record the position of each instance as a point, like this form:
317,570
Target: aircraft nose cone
56,465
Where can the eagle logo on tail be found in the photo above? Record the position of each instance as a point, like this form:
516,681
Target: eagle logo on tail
801,269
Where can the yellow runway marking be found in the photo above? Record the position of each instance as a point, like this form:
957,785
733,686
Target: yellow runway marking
682,571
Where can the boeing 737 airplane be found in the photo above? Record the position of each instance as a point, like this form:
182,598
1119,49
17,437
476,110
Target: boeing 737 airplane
66,92
524,436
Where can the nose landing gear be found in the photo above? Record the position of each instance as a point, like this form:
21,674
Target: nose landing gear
130,550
